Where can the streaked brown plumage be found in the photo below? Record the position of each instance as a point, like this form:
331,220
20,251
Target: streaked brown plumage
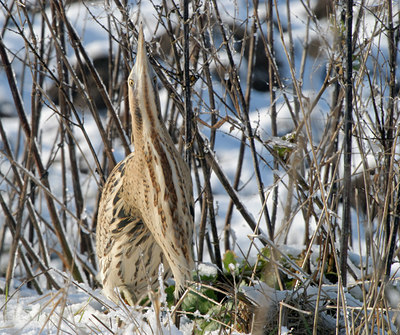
146,209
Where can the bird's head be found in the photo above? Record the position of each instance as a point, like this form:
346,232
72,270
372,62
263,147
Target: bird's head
144,103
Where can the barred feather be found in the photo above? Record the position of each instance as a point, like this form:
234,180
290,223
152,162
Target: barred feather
146,209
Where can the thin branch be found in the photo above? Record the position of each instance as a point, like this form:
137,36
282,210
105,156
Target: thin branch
347,150
43,175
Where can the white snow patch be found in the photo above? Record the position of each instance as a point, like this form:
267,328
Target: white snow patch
207,269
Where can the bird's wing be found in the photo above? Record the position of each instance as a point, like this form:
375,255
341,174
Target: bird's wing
128,253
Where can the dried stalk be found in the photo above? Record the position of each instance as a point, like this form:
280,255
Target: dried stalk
392,225
244,114
42,172
347,151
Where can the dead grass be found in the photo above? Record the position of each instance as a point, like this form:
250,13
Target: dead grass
50,189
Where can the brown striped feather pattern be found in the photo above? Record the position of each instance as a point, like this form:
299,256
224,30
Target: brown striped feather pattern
146,209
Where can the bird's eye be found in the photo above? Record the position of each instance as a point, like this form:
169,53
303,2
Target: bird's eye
130,82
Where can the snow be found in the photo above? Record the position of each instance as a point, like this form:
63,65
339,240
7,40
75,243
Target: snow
73,310
207,269
79,309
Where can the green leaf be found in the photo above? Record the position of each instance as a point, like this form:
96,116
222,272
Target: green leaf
194,302
170,295
229,258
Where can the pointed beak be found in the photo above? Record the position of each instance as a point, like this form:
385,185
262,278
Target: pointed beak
140,68
143,96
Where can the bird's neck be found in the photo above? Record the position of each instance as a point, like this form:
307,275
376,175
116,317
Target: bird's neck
146,123
148,128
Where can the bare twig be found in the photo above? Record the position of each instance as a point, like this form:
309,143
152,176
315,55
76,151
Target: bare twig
347,151
42,173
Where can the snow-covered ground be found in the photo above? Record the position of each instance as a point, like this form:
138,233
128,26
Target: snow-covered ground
80,309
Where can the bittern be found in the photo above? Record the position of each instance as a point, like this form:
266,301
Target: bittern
146,209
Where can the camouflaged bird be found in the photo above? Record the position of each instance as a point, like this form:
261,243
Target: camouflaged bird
146,209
